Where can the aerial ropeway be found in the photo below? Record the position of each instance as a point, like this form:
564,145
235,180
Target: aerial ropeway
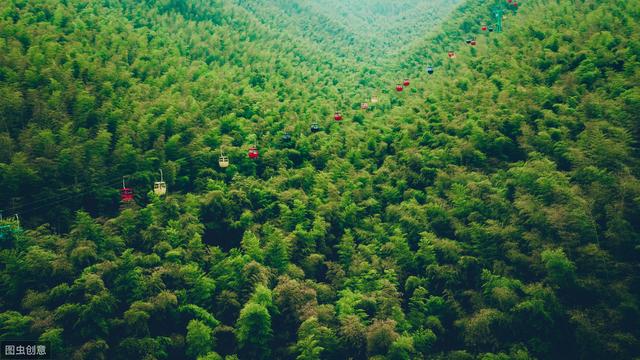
160,187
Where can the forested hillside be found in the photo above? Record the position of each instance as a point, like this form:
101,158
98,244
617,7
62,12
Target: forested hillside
364,31
489,210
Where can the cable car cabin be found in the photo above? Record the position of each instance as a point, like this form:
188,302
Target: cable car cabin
490,28
253,152
473,42
406,82
126,194
337,116
315,128
509,1
160,188
223,161
515,4
399,88
484,28
451,55
468,41
364,106
429,70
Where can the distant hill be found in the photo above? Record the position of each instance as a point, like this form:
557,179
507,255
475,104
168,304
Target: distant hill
487,209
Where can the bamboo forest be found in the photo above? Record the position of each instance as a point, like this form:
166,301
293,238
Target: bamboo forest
320,179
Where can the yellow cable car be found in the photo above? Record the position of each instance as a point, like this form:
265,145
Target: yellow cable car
223,161
160,187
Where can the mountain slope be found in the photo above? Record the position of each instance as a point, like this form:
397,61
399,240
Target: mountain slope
125,81
487,211
364,31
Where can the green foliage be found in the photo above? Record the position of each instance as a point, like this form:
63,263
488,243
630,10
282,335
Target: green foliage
488,211
253,328
560,270
199,339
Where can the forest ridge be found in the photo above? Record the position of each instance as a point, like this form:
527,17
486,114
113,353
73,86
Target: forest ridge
344,179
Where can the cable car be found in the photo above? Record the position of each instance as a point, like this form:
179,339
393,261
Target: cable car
315,128
337,116
253,152
399,88
364,106
126,194
223,161
429,70
160,187
374,100
515,4
451,55
490,28
406,82
473,42
468,41
484,27
509,1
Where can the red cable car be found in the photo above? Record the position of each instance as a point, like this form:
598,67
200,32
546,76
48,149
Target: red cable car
406,82
484,27
253,152
509,1
451,55
473,42
515,4
337,116
126,194
399,87
364,106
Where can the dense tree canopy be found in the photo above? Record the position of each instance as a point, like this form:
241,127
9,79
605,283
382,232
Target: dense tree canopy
490,210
